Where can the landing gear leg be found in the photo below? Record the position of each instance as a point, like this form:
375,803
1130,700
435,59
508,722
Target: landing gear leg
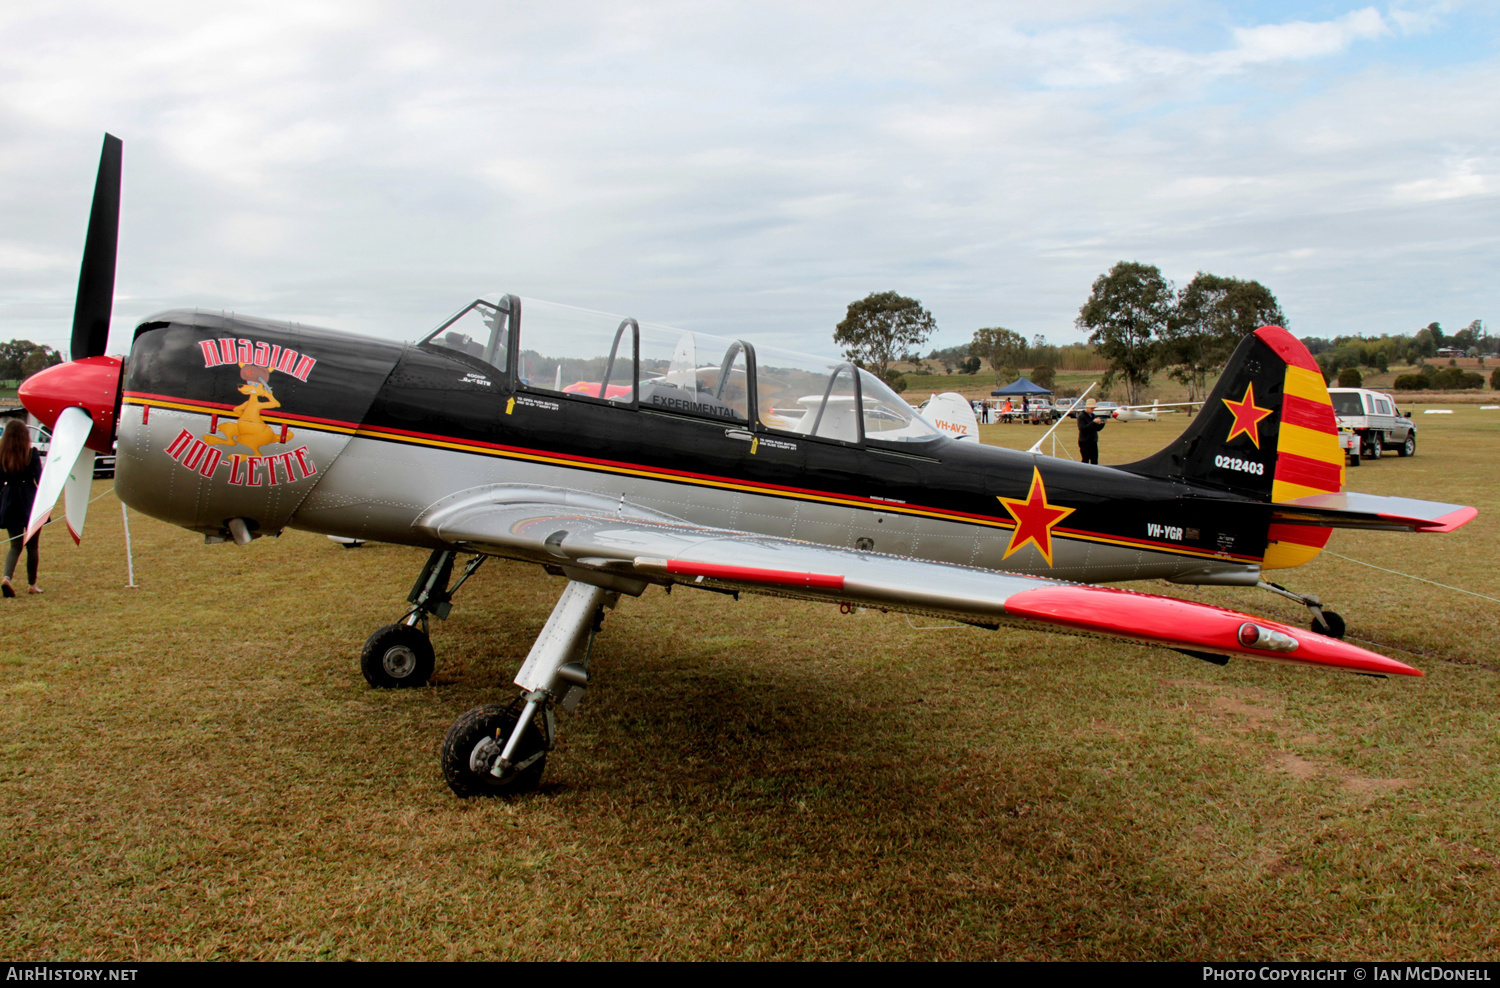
400,655
1325,622
499,751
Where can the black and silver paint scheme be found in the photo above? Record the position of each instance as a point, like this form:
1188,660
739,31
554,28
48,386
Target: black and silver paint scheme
393,428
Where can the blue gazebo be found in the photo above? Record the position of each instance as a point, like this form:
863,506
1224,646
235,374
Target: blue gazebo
1021,387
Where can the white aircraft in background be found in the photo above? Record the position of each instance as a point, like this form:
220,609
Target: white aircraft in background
951,414
1148,413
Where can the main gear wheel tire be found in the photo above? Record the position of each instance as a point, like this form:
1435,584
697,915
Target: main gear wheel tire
397,656
479,736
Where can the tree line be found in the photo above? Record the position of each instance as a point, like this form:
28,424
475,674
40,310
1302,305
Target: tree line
1380,352
19,359
884,327
1140,323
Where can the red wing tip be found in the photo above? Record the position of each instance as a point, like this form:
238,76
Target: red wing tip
1452,520
1174,623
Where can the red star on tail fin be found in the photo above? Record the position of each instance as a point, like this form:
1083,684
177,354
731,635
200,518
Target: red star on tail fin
1247,416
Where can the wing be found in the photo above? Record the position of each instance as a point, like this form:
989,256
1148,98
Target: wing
611,543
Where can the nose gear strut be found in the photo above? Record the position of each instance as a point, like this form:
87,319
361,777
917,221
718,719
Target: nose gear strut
401,655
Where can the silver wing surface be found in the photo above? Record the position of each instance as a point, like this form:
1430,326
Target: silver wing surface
611,543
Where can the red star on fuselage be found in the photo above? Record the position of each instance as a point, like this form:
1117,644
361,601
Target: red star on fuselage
1247,416
1035,519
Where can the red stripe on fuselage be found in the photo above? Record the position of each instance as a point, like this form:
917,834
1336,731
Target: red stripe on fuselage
209,407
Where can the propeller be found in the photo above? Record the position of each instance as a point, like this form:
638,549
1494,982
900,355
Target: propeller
96,278
79,400
69,433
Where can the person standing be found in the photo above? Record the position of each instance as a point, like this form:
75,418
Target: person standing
1089,425
20,469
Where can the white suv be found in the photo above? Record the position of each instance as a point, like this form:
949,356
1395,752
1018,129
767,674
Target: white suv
1376,419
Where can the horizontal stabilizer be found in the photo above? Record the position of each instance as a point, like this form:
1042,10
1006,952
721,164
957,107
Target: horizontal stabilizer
1351,510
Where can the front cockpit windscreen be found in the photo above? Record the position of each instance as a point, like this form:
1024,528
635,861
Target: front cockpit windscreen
807,395
577,351
816,396
693,374
480,330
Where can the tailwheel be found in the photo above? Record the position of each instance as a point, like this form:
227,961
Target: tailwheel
1334,628
476,742
397,656
1324,621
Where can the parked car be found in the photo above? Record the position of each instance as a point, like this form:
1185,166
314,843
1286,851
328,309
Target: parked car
1376,419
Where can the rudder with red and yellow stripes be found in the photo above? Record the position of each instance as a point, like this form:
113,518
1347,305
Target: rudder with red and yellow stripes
1268,432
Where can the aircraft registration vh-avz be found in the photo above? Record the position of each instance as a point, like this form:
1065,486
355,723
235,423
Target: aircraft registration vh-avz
618,455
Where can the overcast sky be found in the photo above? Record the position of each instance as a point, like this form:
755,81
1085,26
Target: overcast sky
750,169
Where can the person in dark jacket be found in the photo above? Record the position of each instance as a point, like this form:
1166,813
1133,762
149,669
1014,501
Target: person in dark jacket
1089,425
20,469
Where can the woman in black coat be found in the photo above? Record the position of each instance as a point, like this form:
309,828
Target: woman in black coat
20,469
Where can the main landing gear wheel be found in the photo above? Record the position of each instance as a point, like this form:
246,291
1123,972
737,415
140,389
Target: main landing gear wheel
397,656
1335,628
476,741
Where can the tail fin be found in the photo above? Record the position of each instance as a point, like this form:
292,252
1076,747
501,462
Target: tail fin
952,413
1266,432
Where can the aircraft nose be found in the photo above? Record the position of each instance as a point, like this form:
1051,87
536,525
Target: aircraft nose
92,384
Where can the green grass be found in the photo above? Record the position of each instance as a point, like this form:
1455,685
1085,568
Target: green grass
195,769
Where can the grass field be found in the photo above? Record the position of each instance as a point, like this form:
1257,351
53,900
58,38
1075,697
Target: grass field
195,769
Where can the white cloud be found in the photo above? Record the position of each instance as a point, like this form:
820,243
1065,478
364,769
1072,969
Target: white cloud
1461,179
1305,39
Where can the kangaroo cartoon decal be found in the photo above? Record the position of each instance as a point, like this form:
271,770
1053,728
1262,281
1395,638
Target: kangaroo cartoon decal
250,430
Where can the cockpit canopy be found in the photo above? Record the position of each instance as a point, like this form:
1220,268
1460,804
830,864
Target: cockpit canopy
546,347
